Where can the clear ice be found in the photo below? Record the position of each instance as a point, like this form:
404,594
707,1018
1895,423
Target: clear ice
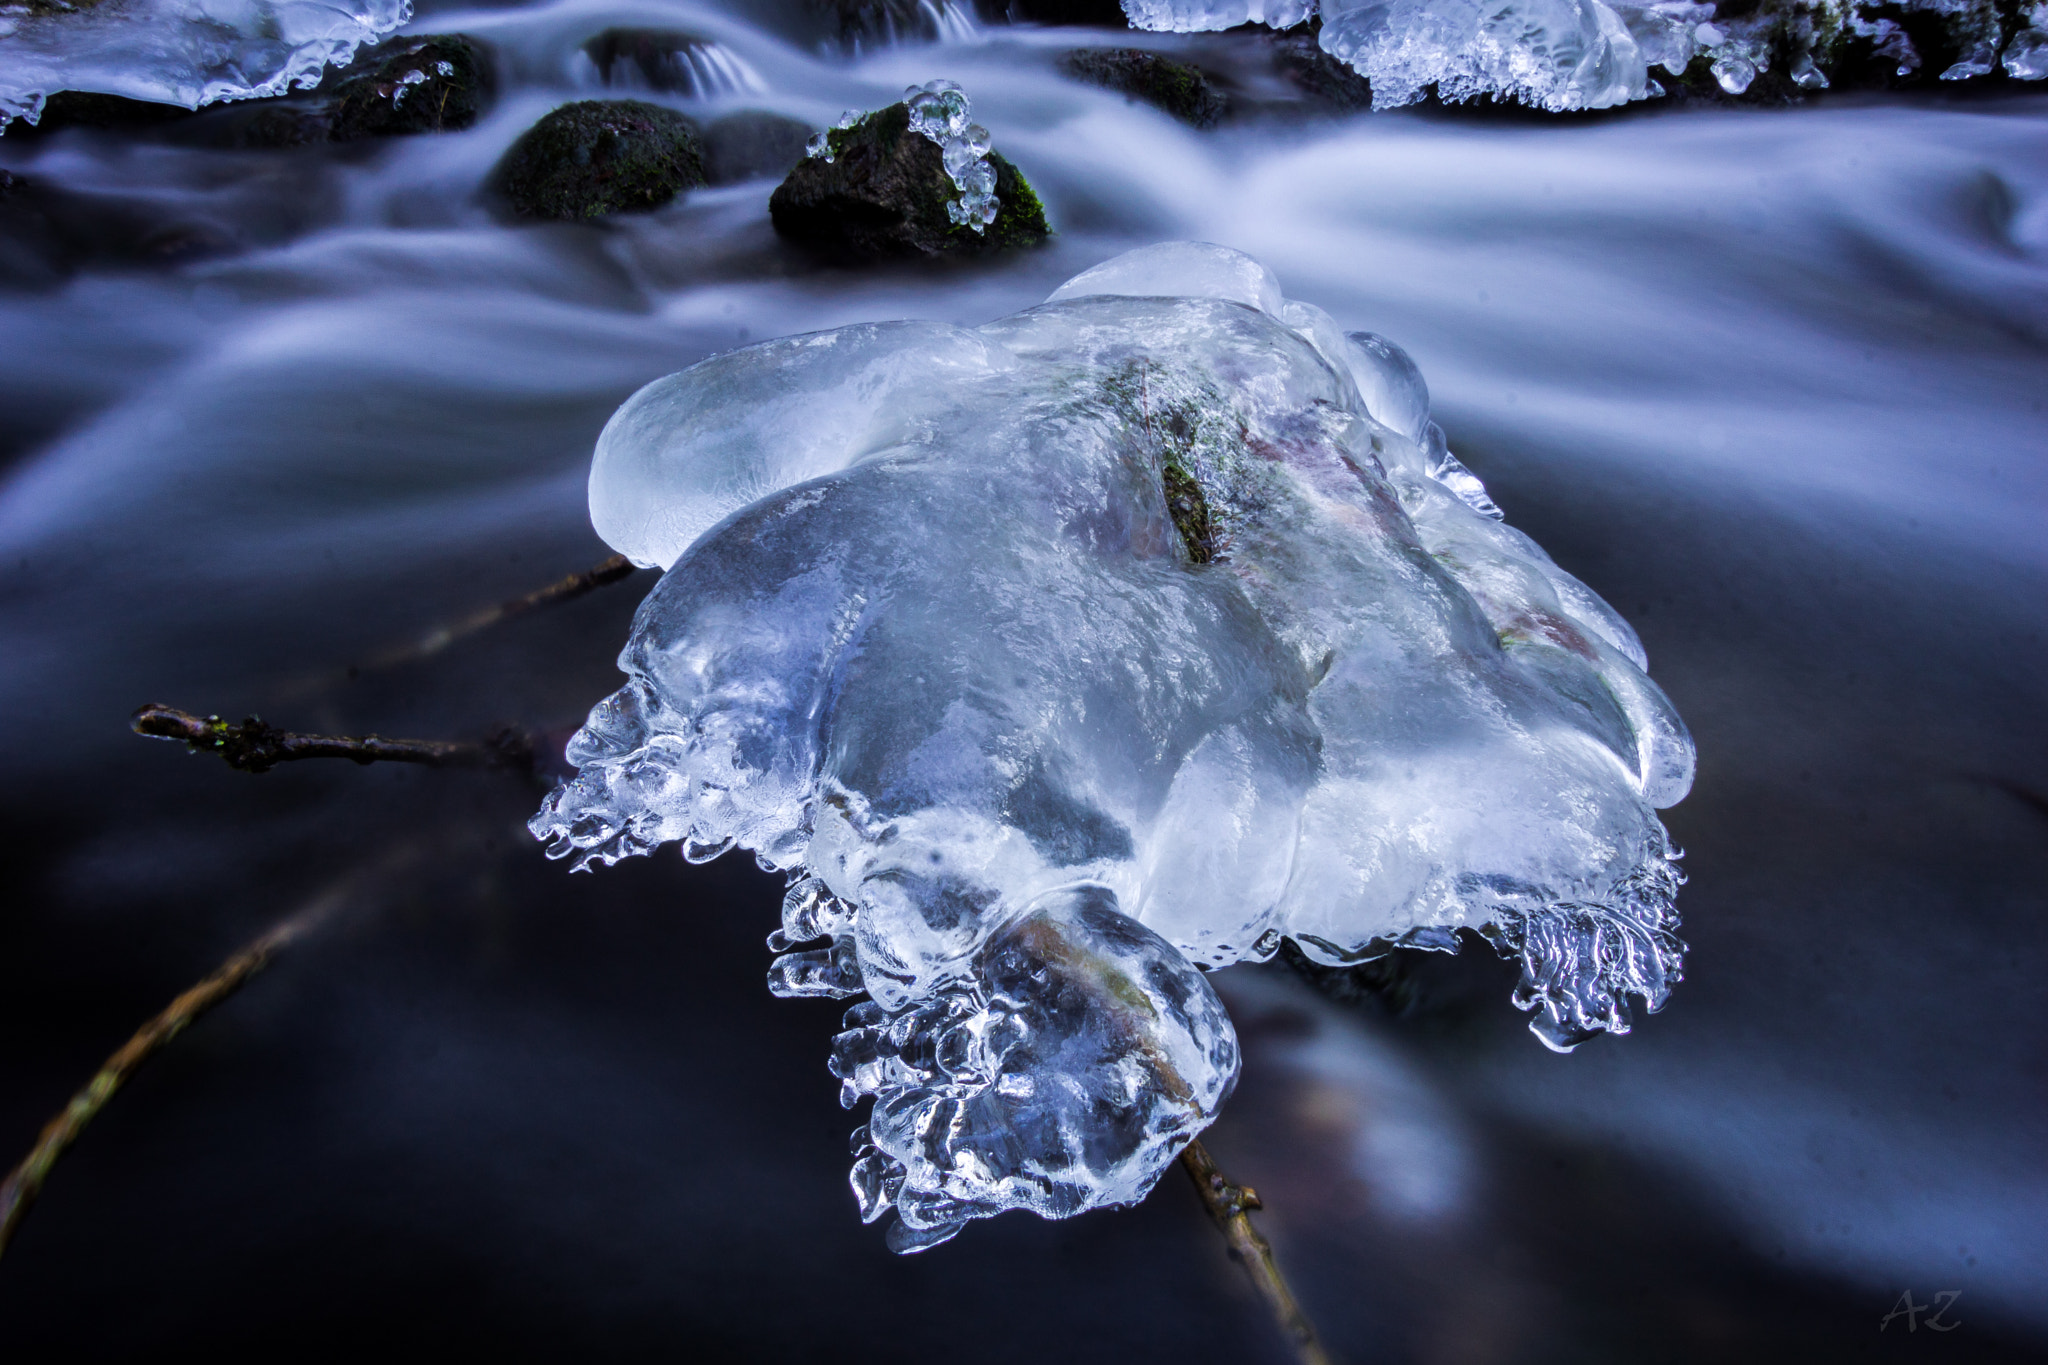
1585,54
188,52
1057,659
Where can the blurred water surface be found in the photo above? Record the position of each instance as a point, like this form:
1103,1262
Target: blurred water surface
1773,382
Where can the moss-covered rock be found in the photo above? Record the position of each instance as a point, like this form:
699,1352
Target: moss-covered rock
596,157
753,143
431,84
1186,92
883,196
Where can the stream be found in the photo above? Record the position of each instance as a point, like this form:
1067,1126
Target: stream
1772,382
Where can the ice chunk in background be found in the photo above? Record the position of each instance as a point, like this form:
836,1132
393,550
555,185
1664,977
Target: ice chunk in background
1553,54
2026,53
188,52
1205,16
1024,729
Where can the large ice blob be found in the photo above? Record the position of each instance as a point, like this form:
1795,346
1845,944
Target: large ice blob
188,52
1051,658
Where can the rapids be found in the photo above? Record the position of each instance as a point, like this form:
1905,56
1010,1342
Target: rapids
1772,382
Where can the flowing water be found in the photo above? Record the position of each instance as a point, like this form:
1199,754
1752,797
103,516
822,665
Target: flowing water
1775,383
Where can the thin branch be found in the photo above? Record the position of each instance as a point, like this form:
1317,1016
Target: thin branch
254,746
25,1181
567,589
1230,1205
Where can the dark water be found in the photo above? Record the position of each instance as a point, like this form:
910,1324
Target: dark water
1771,382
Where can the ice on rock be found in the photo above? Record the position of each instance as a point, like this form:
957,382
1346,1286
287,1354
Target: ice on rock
188,52
1056,658
1554,54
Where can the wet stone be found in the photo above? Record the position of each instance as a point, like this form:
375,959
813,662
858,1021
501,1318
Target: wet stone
884,196
879,23
1184,91
598,157
1318,75
86,109
646,58
432,84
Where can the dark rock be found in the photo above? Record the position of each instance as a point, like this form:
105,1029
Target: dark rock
292,121
596,157
753,143
1318,75
647,59
884,197
32,250
878,23
86,109
1184,91
48,234
433,84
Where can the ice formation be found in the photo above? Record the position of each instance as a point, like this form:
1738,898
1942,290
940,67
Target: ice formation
188,52
1057,658
938,110
1594,54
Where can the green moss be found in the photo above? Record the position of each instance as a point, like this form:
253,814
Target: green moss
598,157
1193,435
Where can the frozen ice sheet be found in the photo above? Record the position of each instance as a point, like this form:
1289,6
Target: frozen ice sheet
188,52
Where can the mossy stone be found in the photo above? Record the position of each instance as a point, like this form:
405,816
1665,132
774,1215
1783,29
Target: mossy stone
884,195
597,157
1184,91
432,84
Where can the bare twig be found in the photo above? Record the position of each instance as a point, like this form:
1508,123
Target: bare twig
25,1181
562,590
1230,1205
256,747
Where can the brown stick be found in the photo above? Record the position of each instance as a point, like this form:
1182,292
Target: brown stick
1230,1205
256,747
562,590
25,1181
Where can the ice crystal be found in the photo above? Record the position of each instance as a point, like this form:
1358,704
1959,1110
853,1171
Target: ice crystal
1056,658
938,110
